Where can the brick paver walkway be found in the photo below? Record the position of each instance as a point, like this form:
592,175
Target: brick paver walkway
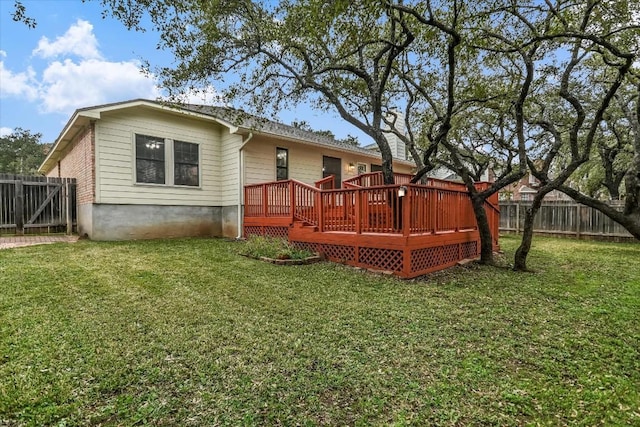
19,241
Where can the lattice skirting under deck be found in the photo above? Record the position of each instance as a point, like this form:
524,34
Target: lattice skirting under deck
435,258
422,261
258,230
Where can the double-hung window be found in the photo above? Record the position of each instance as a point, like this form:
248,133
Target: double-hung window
282,164
150,160
167,161
185,163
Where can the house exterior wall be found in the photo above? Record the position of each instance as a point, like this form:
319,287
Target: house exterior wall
113,206
229,167
305,161
525,190
78,161
116,163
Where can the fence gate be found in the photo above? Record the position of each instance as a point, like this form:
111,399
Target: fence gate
37,204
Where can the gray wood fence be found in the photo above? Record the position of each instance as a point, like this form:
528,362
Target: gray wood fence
37,204
564,218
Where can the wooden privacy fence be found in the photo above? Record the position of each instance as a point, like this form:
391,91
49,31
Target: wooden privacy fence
37,204
563,218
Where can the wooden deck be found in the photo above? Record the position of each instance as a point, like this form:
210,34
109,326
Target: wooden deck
408,229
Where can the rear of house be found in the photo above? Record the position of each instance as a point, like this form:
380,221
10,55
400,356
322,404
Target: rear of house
145,169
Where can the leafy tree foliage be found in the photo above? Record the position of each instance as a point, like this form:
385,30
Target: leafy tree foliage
337,55
21,152
500,83
19,14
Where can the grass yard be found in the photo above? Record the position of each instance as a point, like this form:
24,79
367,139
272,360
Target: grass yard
187,332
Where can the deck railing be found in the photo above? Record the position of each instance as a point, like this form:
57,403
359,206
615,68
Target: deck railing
378,209
326,183
408,229
374,179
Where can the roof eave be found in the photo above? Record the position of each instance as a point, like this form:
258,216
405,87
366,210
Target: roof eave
372,155
77,122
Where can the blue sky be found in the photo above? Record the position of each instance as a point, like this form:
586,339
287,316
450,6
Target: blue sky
74,58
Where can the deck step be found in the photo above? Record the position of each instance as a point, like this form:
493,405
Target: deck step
305,225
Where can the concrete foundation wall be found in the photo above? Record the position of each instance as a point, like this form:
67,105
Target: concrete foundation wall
127,222
229,221
85,220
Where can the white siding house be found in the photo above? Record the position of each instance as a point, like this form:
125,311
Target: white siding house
145,169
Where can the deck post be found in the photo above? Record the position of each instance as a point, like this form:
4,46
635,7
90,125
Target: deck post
292,200
265,203
358,211
406,212
320,210
435,209
458,209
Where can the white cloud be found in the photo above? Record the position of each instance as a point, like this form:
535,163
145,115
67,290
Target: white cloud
79,40
3,54
67,85
5,131
18,84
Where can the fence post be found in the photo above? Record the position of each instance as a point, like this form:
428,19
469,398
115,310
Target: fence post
19,208
578,220
69,205
517,217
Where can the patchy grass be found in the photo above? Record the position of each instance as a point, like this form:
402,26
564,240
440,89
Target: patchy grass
187,332
271,247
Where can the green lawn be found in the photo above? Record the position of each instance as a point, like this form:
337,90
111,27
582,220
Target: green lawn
187,332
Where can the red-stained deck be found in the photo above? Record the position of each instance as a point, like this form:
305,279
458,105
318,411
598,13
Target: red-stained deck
370,225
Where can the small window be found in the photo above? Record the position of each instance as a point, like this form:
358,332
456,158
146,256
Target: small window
282,164
186,163
150,159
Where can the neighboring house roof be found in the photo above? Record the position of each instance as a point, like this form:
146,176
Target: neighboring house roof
525,189
237,121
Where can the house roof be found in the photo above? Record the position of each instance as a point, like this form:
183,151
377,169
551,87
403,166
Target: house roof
525,189
237,121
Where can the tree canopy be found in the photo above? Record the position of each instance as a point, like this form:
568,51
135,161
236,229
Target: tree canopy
21,152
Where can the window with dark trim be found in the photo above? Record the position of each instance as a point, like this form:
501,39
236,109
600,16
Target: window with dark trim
150,162
167,161
282,164
185,163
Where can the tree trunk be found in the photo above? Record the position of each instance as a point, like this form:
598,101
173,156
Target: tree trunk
614,192
387,159
520,259
484,229
632,187
629,219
